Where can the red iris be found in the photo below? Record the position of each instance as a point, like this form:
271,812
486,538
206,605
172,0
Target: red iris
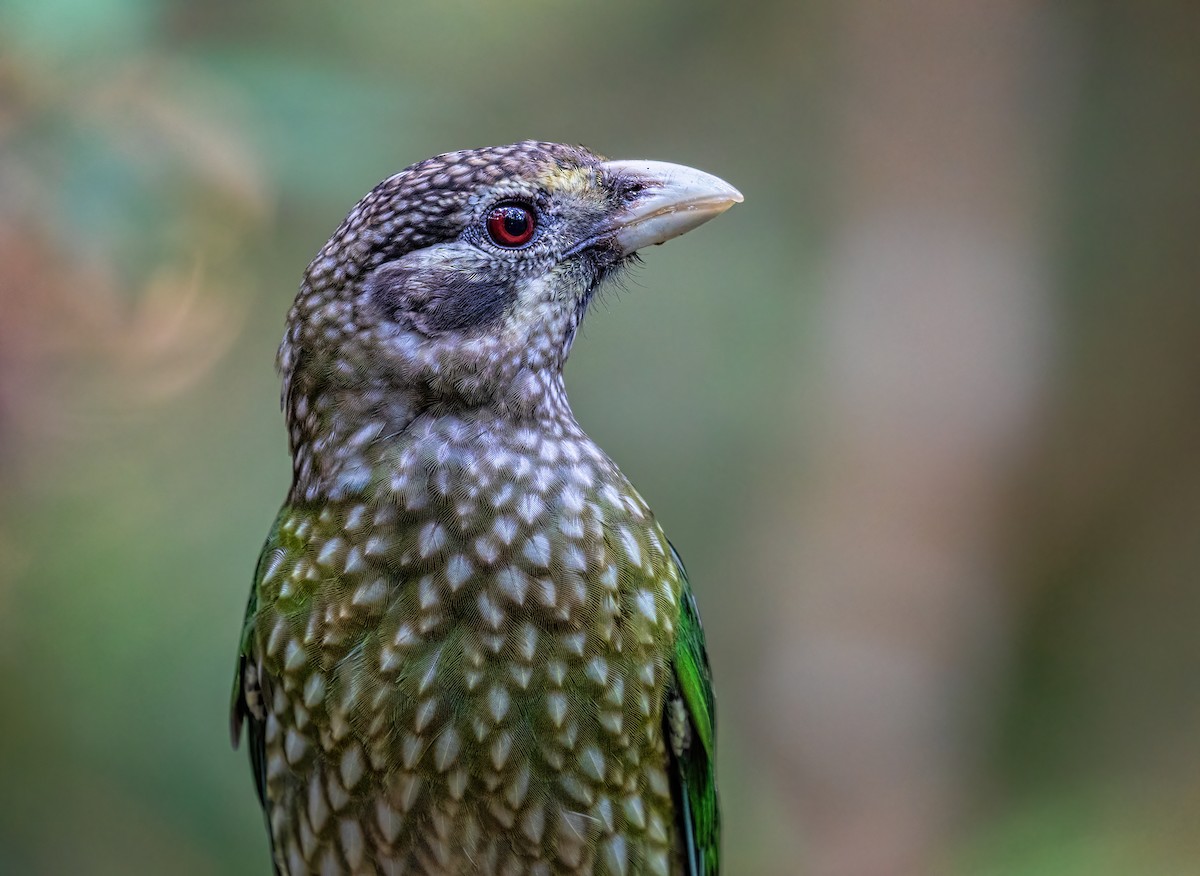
510,225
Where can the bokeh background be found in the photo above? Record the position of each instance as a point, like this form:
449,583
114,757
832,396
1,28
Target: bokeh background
923,413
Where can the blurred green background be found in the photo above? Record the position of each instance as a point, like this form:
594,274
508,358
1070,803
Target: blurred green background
923,413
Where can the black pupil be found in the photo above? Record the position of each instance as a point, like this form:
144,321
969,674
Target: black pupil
516,221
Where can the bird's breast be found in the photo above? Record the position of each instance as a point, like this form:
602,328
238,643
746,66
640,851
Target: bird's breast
477,648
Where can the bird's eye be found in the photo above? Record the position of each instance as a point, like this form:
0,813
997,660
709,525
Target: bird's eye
511,225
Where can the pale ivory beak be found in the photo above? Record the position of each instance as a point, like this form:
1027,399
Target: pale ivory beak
675,199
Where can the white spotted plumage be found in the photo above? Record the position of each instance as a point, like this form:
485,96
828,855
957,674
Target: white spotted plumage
516,636
458,644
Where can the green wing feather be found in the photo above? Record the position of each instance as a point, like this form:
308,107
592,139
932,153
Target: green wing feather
693,768
249,697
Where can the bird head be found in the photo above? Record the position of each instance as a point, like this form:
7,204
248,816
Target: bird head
461,280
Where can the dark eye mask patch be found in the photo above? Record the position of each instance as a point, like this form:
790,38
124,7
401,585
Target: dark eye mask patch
436,298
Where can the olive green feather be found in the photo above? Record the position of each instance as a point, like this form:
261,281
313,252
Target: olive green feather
694,768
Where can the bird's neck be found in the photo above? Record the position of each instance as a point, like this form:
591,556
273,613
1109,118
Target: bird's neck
345,438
